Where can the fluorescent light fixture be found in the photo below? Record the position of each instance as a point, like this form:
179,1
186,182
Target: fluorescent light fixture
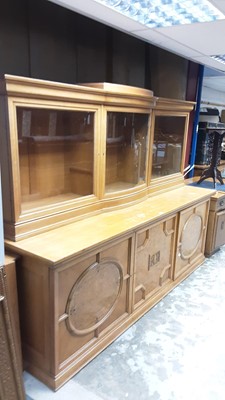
220,58
162,13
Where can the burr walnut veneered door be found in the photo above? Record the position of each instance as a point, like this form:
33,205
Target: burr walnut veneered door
191,237
94,296
154,259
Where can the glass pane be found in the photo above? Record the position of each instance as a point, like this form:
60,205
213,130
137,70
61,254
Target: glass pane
55,155
168,145
125,150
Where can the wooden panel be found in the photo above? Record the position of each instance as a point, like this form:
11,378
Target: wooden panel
113,163
191,237
127,69
90,39
10,272
48,162
216,230
154,259
168,73
34,314
14,46
211,233
220,229
52,52
6,176
81,158
217,202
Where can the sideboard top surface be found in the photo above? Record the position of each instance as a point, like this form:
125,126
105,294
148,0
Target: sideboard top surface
78,237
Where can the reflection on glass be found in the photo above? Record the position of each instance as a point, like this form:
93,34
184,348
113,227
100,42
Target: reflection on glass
167,145
55,155
125,150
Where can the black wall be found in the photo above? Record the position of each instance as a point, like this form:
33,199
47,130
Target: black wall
42,40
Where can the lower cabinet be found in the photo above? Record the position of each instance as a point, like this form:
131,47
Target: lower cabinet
75,303
215,237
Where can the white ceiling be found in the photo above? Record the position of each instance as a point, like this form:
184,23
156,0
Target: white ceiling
196,42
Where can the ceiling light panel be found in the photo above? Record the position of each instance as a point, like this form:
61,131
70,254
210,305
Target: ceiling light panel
219,58
162,13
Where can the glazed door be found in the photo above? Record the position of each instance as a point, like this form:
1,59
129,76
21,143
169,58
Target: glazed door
56,155
126,150
168,145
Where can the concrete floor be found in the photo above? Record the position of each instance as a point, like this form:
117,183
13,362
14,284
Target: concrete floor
175,352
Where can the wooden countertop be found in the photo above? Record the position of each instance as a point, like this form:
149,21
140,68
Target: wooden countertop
75,238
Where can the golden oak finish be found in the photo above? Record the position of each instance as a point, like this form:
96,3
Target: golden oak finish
11,381
191,237
60,243
11,283
216,225
215,236
74,150
88,281
96,208
154,258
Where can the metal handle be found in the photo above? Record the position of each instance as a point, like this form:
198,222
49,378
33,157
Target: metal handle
221,203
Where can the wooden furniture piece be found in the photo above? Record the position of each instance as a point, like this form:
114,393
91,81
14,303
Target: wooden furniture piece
11,281
89,280
69,153
69,150
11,382
215,237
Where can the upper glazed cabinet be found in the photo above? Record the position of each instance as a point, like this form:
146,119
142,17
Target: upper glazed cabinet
170,121
69,150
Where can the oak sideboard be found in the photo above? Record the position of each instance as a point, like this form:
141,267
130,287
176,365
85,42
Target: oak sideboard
96,212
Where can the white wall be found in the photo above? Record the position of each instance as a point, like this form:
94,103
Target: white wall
212,98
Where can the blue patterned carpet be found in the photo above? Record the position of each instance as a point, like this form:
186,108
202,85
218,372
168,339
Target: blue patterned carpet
209,185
